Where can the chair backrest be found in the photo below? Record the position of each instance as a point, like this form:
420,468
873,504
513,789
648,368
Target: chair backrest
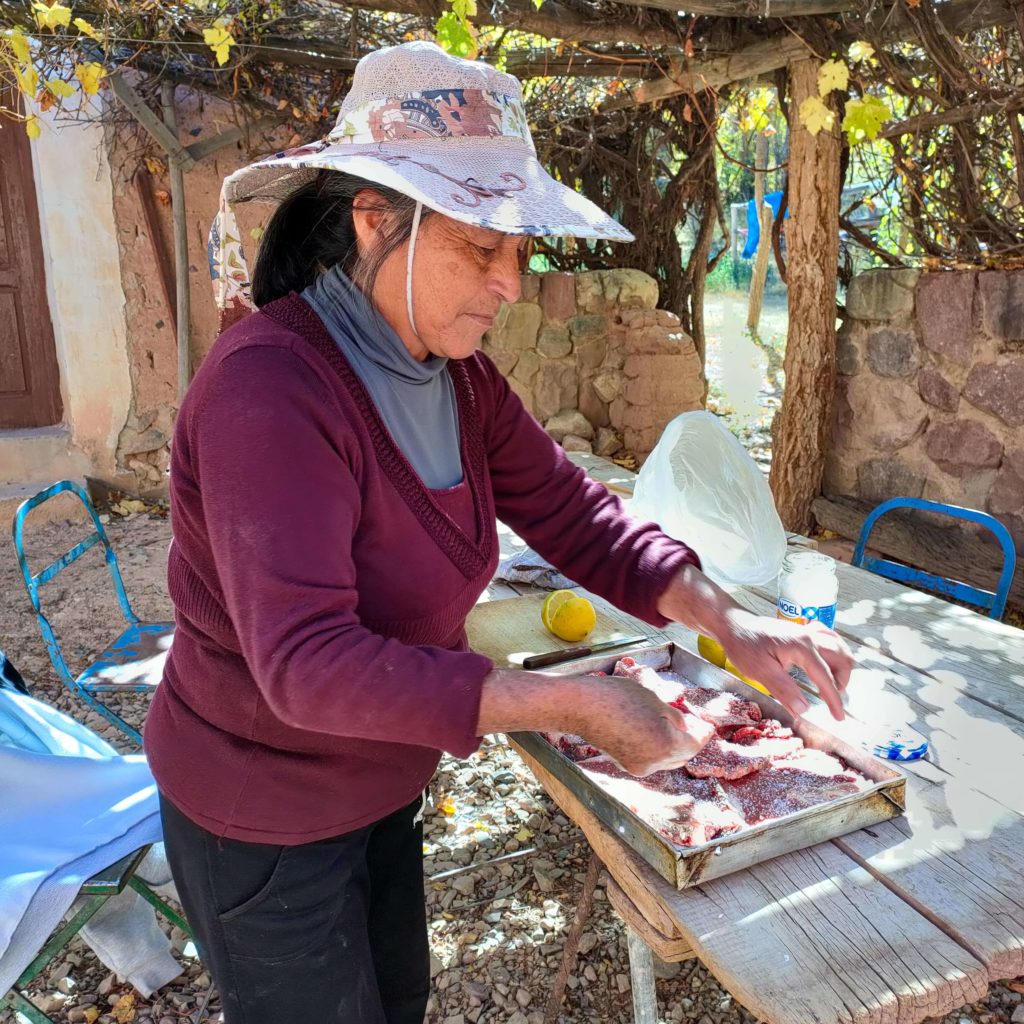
34,582
992,602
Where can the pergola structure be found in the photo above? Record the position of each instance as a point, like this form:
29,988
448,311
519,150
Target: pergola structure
669,68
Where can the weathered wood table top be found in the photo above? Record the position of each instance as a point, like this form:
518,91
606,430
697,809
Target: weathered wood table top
906,920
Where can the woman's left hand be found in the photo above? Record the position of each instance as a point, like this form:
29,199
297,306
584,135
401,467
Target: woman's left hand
761,647
765,649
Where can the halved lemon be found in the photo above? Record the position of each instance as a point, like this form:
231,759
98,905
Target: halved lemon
552,603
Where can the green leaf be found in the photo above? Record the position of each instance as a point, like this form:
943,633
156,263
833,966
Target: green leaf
864,118
833,75
538,3
451,34
464,9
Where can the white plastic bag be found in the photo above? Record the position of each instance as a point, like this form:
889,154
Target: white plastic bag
701,487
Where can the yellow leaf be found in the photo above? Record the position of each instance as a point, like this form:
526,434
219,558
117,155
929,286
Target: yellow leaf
124,1009
219,39
448,807
154,166
861,50
90,75
91,1013
832,75
28,79
814,115
19,44
52,17
524,835
32,127
61,89
87,30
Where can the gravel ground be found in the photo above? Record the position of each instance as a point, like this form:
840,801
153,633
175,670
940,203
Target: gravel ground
496,931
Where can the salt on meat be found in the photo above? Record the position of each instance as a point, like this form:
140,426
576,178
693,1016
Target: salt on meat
794,783
722,709
721,759
686,810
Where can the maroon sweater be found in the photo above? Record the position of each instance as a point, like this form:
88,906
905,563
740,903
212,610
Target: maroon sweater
321,591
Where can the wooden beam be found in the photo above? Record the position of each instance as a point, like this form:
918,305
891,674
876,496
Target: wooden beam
552,20
957,16
156,128
178,219
966,113
525,63
801,428
200,150
697,76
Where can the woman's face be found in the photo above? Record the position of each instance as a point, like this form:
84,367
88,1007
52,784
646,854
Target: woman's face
461,275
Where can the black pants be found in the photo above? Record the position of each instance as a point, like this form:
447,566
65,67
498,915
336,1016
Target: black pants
331,932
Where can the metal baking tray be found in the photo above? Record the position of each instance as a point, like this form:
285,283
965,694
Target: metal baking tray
687,866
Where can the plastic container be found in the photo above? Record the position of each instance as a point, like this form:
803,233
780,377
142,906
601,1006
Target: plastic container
808,588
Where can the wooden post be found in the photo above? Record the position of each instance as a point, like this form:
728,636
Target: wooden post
641,976
764,241
800,430
177,176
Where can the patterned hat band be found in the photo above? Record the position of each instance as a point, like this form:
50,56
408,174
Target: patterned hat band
433,114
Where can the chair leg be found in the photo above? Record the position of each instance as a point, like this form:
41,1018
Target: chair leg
26,1008
111,716
21,1003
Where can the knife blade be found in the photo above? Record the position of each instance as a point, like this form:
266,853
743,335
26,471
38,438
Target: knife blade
570,653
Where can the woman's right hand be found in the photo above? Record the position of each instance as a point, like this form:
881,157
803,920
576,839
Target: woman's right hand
619,716
638,729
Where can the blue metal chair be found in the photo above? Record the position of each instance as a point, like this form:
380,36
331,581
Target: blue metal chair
992,602
134,661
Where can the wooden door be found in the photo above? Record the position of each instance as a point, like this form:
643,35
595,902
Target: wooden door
29,374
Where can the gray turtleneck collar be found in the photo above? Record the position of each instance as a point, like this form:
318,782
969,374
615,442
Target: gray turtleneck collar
415,399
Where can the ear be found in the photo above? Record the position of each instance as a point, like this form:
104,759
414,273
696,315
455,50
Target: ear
369,213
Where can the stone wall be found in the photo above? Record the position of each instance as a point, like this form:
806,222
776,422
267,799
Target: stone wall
930,395
595,361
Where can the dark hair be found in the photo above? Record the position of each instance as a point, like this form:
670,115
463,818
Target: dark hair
312,231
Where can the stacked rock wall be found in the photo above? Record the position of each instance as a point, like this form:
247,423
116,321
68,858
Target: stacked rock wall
930,395
595,360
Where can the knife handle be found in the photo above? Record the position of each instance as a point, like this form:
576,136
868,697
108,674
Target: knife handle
554,657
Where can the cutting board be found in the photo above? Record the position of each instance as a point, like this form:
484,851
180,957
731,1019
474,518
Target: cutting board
511,630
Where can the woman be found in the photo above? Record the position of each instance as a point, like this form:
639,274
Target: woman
337,468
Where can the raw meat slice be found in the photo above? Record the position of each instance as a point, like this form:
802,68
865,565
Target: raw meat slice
647,677
801,780
722,709
687,811
721,759
576,748
768,739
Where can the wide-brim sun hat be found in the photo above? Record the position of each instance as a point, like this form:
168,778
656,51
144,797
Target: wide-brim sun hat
449,133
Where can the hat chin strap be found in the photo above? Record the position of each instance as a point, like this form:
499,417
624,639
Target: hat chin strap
408,267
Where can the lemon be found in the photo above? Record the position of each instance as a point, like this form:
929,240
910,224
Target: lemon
711,650
552,603
573,620
730,667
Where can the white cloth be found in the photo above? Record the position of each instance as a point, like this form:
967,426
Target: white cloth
62,819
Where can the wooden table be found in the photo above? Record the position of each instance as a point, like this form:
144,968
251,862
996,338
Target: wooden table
889,925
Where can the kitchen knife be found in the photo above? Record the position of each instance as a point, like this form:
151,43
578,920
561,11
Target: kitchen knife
568,654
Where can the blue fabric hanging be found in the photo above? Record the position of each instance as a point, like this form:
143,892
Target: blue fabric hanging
774,199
